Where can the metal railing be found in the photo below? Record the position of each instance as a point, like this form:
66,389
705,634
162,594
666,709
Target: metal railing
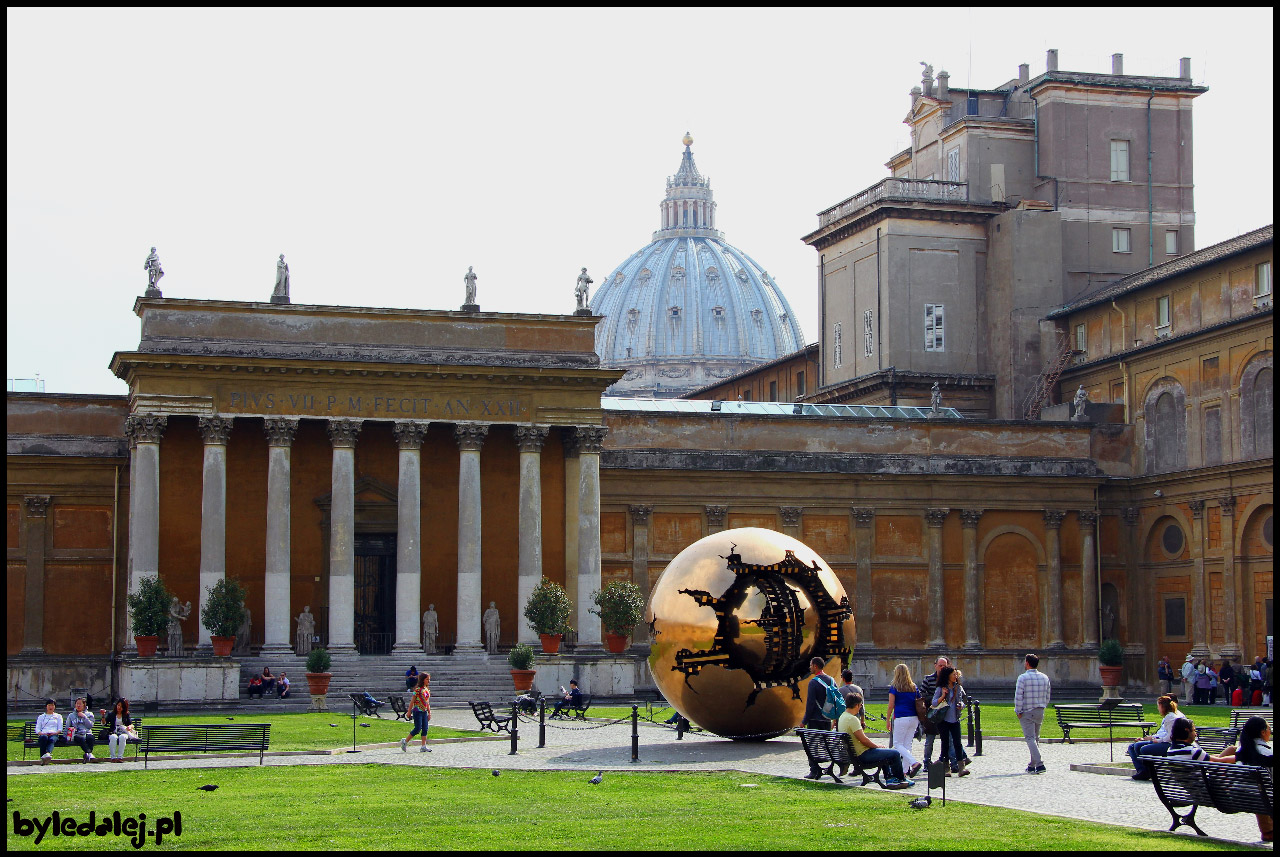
926,190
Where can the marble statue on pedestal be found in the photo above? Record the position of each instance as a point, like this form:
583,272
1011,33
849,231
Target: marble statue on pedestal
581,291
470,279
281,293
306,629
492,624
1078,406
178,613
243,633
430,629
154,273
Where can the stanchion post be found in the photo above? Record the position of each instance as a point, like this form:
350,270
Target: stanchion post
635,732
515,727
542,723
977,727
680,721
969,723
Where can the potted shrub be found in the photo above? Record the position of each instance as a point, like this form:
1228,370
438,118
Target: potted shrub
620,606
548,612
1110,662
318,675
521,660
149,610
223,613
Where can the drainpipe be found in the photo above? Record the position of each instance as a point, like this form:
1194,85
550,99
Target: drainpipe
822,318
879,313
1151,234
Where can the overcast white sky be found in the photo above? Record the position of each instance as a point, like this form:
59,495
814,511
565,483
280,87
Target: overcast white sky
385,151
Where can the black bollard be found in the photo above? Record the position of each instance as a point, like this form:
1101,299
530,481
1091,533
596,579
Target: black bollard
680,722
977,727
515,727
542,723
635,732
968,722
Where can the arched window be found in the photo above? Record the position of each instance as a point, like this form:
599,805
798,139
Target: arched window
1257,399
1166,427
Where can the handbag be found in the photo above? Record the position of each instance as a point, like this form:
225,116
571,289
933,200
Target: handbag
922,710
938,713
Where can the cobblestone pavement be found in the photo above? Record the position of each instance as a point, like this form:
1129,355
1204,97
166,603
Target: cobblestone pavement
997,777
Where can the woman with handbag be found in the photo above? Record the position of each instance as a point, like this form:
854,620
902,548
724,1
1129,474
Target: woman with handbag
903,717
948,702
420,711
119,729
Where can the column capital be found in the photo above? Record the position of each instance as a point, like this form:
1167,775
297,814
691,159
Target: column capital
38,505
470,436
590,438
863,516
215,430
936,517
342,433
1197,508
280,430
1227,505
716,515
409,433
1053,518
145,428
640,513
969,518
790,515
1132,515
531,438
1088,517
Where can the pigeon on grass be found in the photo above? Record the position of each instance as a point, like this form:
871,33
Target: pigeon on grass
495,772
206,788
597,779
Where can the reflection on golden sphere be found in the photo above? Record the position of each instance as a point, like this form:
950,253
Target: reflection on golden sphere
735,619
688,141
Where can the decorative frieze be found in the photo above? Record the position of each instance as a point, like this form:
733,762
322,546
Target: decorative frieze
280,431
342,433
531,438
470,436
215,430
409,433
144,428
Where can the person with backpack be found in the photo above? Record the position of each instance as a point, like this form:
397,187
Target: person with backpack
816,700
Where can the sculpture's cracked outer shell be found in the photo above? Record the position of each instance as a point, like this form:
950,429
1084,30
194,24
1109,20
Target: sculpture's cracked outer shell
735,619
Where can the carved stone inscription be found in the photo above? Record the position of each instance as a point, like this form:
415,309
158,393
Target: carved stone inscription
370,404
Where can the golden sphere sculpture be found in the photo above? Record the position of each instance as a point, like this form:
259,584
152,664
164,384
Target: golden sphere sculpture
735,619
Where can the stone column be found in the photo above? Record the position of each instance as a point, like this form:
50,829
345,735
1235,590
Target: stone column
935,519
791,520
144,431
1232,591
342,537
864,528
529,564
969,521
569,440
409,435
470,437
213,514
277,610
1088,578
640,562
1053,555
1199,589
33,617
716,516
590,444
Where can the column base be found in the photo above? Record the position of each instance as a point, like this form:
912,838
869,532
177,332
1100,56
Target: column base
343,649
407,649
589,648
1231,650
469,649
1056,645
936,644
275,650
971,645
1200,650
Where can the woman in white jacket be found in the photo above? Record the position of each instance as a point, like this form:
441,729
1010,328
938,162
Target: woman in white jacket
1157,744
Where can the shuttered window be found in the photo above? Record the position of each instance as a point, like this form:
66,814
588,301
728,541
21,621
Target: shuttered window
933,331
1119,160
868,337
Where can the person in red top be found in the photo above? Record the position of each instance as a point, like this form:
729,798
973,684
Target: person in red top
420,710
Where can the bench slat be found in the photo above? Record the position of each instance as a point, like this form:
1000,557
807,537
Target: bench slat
1228,788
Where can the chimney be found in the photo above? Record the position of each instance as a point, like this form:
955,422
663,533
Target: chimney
1117,63
1024,73
1051,60
1184,68
943,89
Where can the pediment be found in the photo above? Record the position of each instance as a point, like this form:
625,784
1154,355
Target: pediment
368,492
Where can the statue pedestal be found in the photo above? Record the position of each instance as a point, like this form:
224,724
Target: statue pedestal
1111,693
470,308
280,299
583,311
318,702
152,292
179,679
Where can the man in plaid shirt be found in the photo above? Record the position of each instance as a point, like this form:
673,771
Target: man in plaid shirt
1030,699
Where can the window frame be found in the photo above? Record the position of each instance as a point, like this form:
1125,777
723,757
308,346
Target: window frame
1165,303
1262,280
868,333
1082,337
1120,171
1117,232
837,347
1171,234
935,328
1164,616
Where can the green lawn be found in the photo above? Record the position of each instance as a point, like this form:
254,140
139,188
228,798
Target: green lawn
288,731
394,808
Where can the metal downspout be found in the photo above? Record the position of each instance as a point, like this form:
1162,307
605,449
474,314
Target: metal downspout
1151,234
879,308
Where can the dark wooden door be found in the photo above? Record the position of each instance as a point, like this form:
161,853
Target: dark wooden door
375,595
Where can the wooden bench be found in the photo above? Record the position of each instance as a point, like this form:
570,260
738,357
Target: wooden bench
527,703
829,750
1240,715
577,710
1215,739
26,733
365,707
210,738
490,721
1086,716
1227,788
398,706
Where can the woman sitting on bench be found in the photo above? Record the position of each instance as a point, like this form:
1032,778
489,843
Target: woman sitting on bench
1157,744
1254,750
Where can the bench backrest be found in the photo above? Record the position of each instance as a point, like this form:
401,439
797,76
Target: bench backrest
1215,739
1123,713
482,709
1240,715
204,737
1228,788
825,746
27,731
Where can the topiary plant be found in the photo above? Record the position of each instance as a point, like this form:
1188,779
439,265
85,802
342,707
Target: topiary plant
1111,653
149,607
223,610
549,608
318,661
520,657
620,606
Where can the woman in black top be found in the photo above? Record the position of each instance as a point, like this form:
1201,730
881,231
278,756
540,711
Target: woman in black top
118,723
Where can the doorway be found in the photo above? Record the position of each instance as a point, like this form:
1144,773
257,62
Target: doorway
375,593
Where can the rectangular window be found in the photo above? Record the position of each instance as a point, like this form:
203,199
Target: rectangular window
799,383
1120,240
1082,338
1171,242
773,391
1119,160
1162,316
1262,278
868,334
1175,618
953,165
933,331
837,351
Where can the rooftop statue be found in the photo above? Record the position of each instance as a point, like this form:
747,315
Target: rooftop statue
581,291
154,273
470,280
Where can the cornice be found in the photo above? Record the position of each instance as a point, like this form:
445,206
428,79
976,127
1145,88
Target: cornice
943,212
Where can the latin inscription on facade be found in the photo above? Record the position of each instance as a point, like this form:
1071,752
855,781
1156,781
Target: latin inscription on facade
347,403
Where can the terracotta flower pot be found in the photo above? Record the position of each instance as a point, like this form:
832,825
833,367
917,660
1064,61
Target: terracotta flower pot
318,683
146,646
523,679
615,643
550,643
1110,675
222,646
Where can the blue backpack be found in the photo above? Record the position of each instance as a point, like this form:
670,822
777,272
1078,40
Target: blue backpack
834,705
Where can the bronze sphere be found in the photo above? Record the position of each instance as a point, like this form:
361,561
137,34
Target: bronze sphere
735,619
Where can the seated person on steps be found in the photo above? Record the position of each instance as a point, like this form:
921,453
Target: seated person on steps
268,680
255,686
